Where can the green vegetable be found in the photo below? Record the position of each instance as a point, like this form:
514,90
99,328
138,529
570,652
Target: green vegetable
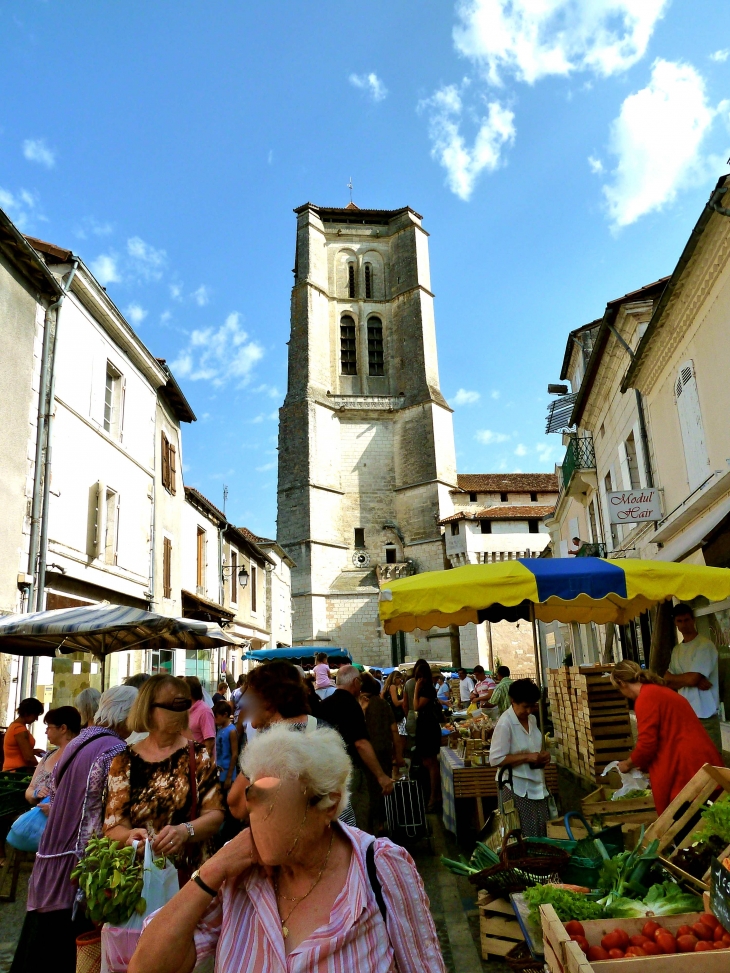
111,878
482,857
460,867
717,819
568,905
624,873
632,795
664,899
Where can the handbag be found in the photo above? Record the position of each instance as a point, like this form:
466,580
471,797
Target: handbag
25,833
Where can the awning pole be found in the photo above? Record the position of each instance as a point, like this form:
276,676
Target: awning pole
538,669
103,661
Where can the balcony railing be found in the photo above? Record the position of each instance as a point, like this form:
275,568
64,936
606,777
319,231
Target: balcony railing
592,550
392,572
579,455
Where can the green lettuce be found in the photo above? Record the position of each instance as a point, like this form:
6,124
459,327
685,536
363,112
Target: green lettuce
567,905
663,899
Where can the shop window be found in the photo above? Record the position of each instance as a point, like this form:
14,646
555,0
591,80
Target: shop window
375,347
348,346
162,662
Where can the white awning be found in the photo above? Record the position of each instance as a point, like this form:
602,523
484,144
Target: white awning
695,534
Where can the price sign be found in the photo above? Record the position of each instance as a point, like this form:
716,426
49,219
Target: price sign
720,893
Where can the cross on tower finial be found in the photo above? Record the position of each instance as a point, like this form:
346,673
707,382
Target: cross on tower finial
349,186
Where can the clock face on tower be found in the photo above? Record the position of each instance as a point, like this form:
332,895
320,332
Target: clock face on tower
361,559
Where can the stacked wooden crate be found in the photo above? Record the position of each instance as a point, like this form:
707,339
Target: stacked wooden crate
499,929
590,717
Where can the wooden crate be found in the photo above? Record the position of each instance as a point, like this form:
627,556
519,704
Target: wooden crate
499,929
564,956
599,803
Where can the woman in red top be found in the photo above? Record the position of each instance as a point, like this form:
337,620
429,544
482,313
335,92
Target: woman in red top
672,745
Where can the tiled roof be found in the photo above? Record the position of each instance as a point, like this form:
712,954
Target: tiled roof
196,496
506,482
249,535
504,511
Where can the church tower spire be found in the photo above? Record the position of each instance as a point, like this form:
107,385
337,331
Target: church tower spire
366,446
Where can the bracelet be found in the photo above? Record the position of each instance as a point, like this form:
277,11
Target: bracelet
190,829
195,877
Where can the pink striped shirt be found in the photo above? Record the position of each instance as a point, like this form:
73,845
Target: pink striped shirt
243,928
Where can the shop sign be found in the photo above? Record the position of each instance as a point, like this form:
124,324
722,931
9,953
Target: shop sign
634,506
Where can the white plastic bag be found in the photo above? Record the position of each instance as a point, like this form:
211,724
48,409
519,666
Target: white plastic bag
118,943
635,780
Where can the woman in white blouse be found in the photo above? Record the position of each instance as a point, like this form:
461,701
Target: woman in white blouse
517,744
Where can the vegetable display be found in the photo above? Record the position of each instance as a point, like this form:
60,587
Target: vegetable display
631,795
567,905
110,876
704,935
716,819
623,874
482,857
662,899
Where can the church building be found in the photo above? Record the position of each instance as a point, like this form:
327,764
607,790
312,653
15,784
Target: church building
367,465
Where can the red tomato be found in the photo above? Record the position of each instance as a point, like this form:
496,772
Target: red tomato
684,931
612,941
650,929
701,931
616,954
703,945
651,949
596,953
720,945
635,951
709,920
639,940
686,944
582,942
666,942
726,938
719,932
574,928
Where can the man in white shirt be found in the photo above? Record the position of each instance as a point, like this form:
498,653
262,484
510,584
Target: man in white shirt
466,688
693,672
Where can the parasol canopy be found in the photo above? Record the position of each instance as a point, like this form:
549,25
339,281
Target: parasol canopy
585,589
102,629
297,653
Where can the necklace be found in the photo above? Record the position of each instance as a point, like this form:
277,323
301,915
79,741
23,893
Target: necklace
298,899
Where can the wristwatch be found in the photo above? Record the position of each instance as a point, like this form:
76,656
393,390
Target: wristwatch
191,829
195,877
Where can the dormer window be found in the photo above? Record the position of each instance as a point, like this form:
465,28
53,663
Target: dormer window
368,282
351,280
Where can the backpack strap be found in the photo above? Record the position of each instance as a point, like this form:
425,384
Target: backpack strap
374,880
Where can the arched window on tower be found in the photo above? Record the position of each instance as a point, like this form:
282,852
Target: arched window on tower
368,281
375,347
348,346
351,280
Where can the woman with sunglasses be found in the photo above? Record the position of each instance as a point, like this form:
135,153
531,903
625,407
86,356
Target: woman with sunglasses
298,890
166,786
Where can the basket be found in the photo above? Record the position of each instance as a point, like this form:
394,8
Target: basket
523,863
520,958
88,952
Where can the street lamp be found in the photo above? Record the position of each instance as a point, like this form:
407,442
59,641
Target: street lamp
228,570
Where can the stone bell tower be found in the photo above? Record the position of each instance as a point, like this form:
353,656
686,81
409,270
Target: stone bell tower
366,443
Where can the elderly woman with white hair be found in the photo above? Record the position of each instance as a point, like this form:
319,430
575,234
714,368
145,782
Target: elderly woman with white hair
298,890
76,812
87,703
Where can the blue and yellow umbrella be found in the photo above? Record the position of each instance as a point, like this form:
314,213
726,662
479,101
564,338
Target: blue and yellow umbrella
577,589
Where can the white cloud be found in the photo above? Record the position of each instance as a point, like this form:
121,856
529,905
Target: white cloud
219,355
147,261
176,292
720,56
486,437
136,313
657,138
270,390
165,317
270,157
596,165
36,150
545,452
531,39
495,394
464,397
106,269
266,467
370,84
21,207
521,450
91,225
462,163
201,296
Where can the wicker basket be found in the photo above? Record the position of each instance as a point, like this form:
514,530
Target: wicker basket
88,952
521,959
523,863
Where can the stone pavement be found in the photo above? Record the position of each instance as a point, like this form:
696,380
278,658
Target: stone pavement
12,915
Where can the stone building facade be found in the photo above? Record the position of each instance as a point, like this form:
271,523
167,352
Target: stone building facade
366,445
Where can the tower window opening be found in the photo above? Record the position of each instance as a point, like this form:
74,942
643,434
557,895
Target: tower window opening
351,280
454,528
348,346
375,347
368,281
533,498
485,526
359,537
390,555
472,498
533,526
503,498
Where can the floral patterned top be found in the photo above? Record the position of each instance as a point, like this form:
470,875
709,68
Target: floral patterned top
152,795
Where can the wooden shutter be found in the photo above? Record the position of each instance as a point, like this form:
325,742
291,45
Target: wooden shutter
165,461
172,468
690,423
234,577
253,588
166,567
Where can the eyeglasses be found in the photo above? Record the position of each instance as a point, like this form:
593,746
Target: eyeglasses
178,705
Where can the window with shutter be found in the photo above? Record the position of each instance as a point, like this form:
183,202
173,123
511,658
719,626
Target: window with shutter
375,347
254,592
165,453
173,469
348,346
234,577
166,567
690,423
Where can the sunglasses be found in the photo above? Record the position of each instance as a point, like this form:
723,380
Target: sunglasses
178,705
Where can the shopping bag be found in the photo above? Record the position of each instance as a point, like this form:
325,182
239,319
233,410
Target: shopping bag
635,780
118,943
25,834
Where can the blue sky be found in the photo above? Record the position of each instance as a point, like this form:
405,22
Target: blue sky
560,159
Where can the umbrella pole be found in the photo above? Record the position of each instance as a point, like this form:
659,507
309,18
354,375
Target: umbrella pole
538,668
103,661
